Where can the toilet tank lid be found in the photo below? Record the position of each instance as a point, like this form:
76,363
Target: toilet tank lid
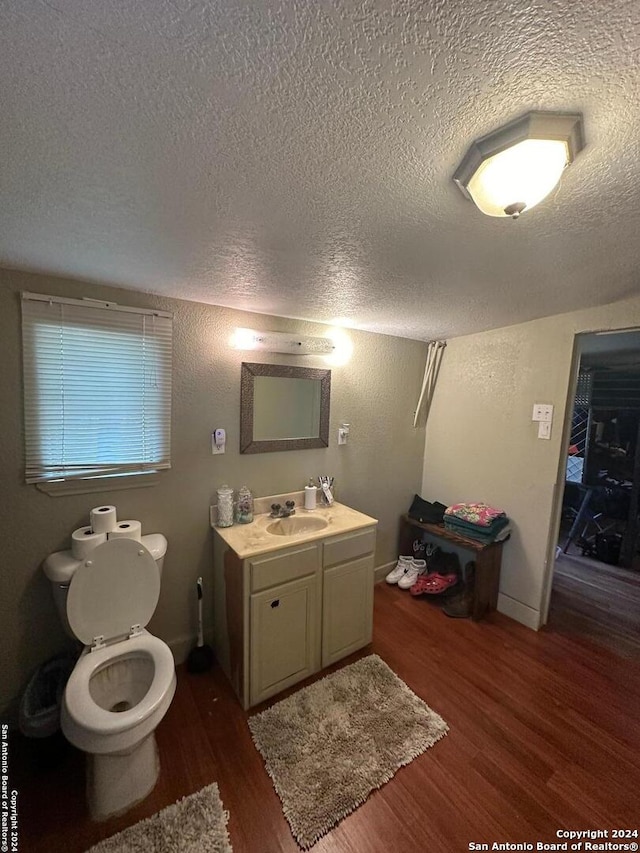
156,543
60,567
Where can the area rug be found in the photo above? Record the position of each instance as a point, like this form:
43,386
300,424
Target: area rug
329,745
195,824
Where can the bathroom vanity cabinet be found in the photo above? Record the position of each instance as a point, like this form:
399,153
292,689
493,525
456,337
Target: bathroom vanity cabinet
283,615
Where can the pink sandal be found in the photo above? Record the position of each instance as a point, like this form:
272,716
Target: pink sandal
433,584
422,584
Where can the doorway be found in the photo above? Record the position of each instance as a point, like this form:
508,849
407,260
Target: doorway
596,580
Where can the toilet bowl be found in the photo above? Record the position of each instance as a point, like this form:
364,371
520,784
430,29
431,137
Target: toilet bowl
124,680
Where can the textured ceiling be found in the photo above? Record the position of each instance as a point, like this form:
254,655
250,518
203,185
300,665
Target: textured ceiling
295,157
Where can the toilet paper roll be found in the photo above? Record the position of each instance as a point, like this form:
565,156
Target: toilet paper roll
103,519
84,540
130,529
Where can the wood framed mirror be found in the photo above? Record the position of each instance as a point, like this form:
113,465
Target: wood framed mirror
283,407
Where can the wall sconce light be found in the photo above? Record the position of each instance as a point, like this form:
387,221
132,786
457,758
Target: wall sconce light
515,167
284,342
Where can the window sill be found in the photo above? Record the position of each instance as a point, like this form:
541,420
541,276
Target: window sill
53,488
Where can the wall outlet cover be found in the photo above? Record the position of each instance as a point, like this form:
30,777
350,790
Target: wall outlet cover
542,412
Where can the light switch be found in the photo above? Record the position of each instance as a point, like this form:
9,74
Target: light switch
544,429
343,433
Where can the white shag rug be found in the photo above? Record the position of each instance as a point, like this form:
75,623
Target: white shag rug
195,824
328,746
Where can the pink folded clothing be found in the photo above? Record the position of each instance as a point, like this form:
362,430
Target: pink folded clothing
475,513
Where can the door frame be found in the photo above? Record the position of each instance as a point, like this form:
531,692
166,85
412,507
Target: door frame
556,507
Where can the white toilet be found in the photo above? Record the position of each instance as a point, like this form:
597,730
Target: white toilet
124,680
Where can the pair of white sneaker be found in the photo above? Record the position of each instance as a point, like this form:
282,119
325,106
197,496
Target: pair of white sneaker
406,572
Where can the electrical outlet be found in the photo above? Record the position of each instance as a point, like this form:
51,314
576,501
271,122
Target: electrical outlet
542,412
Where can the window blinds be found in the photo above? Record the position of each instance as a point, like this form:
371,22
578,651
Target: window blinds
97,388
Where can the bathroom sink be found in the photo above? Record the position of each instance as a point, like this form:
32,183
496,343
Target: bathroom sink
296,525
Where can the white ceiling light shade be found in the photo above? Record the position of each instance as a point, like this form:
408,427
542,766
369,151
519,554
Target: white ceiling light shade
515,167
284,342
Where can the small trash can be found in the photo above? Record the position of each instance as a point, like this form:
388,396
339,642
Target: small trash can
42,700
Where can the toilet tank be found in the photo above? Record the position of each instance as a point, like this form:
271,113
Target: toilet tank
156,544
61,566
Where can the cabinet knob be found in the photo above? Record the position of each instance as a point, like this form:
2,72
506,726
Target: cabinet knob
275,603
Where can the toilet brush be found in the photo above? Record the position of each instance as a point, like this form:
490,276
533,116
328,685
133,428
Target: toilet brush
201,657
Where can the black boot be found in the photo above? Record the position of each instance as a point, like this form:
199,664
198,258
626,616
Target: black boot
460,605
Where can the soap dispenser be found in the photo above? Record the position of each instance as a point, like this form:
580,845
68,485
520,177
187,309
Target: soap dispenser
244,506
310,495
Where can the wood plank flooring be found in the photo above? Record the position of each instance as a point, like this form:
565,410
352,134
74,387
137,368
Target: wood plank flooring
544,735
597,601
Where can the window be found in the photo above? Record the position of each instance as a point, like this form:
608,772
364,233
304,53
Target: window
97,388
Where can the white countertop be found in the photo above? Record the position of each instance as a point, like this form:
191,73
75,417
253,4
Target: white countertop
248,540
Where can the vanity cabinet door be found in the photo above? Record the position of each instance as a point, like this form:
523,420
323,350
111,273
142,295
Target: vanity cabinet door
284,637
347,609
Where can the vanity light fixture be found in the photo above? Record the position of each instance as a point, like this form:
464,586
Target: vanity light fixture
284,342
516,166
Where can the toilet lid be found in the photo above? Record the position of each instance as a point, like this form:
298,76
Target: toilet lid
116,587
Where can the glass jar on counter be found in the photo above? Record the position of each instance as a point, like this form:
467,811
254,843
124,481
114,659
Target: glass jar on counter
244,506
225,506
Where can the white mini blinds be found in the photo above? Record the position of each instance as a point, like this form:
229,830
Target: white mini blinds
97,388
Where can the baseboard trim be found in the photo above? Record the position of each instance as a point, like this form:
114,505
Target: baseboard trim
520,612
380,572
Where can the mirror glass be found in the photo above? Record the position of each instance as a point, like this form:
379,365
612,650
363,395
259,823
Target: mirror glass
283,408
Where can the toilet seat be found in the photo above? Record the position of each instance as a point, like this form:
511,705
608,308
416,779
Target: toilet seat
113,593
82,708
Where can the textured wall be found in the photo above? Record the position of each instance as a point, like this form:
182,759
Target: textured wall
377,472
482,445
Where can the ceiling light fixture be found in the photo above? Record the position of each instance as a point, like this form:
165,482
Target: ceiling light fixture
284,342
515,167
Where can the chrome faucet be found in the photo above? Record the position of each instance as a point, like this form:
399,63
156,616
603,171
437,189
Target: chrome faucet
278,511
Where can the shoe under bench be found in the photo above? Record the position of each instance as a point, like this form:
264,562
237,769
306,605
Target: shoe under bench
487,558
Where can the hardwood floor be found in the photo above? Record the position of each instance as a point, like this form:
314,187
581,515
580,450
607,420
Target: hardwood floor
597,601
544,735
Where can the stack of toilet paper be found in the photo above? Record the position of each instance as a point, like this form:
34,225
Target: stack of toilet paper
103,525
